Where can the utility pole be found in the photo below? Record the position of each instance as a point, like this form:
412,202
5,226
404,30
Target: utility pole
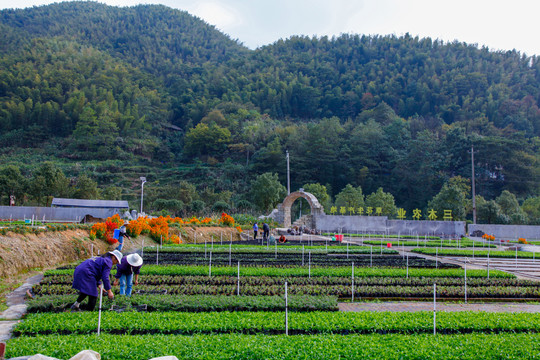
473,187
288,176
143,180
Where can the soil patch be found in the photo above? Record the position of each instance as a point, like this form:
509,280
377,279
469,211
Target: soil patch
23,253
192,235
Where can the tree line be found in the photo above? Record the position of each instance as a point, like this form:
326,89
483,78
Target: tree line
112,94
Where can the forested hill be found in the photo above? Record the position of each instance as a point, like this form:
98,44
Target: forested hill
153,90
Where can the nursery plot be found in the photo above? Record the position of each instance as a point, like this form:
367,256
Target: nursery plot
345,323
289,259
328,347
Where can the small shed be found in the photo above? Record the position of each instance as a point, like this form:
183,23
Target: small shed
82,203
87,210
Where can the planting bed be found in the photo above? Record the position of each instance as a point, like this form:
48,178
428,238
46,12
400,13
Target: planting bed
194,309
479,253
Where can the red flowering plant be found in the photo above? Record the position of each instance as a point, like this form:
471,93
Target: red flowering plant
226,219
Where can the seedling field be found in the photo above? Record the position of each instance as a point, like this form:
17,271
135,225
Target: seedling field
232,301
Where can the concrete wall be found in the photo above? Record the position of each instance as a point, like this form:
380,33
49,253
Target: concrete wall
508,232
53,214
427,227
381,225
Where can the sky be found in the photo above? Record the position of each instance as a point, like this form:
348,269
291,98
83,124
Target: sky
497,24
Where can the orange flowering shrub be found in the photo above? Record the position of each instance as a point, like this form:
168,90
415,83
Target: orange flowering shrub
194,220
522,241
138,226
206,220
239,229
175,239
98,231
226,219
488,237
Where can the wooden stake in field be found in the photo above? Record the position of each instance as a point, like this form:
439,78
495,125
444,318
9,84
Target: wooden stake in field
238,289
434,309
286,312
230,253
466,279
488,266
309,265
142,249
100,303
210,265
352,286
407,266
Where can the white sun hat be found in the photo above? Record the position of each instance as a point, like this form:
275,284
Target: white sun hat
134,260
117,254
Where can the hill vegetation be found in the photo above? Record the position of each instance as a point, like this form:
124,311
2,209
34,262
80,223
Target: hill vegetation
92,97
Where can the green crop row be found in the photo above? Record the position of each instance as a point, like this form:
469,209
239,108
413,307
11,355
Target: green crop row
193,303
341,291
383,236
221,249
433,244
317,347
274,323
318,280
479,253
304,271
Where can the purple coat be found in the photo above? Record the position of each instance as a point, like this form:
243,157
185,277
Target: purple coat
90,272
125,269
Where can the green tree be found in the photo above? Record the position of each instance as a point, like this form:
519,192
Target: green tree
86,188
488,212
171,205
531,207
267,191
49,181
204,140
320,193
383,200
450,197
350,196
12,183
510,206
112,193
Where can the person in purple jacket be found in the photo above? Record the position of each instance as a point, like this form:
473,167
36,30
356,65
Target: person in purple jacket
128,267
89,275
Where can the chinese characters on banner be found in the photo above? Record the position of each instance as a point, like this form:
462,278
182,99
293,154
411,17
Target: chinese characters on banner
401,213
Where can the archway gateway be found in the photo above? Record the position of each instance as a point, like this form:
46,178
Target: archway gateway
284,208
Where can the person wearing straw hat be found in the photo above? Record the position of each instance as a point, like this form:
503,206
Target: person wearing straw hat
90,274
129,267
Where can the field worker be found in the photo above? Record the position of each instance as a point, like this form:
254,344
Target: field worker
123,232
255,231
266,231
89,275
129,266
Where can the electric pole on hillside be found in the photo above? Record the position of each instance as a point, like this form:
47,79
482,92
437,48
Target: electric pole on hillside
473,188
288,176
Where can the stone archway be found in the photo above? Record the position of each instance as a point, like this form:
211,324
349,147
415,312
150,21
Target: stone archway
284,209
